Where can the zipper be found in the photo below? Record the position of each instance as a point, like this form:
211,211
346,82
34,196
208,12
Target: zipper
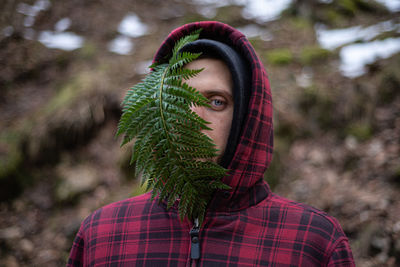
195,241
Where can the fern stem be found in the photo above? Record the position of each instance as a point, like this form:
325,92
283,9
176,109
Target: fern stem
161,102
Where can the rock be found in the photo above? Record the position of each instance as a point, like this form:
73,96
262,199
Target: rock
46,256
381,243
10,261
26,246
351,143
12,232
396,228
75,180
317,157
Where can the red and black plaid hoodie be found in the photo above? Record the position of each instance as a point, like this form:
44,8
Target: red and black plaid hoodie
246,226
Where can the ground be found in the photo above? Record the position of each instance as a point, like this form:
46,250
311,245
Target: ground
337,139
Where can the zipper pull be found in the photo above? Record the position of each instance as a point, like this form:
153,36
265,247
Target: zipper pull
195,241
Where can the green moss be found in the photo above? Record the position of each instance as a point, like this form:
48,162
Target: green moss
351,7
332,17
10,153
317,107
362,131
300,23
69,92
309,99
65,96
338,12
348,6
88,51
389,82
313,54
13,174
280,56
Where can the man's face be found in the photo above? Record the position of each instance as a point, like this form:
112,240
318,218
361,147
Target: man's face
215,83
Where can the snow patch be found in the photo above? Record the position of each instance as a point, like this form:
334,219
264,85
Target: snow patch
265,10
391,5
252,30
122,45
260,10
32,10
8,31
355,57
132,26
332,39
62,25
61,40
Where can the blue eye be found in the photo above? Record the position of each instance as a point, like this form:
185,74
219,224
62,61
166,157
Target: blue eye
217,102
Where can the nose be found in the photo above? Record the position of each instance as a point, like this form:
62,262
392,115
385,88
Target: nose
202,113
198,110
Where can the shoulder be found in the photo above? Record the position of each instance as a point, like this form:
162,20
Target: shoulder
315,225
305,214
117,212
106,226
316,233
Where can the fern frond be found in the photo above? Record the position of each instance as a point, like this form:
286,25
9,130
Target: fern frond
182,59
185,40
170,151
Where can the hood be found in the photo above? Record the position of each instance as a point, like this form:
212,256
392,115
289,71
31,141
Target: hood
254,150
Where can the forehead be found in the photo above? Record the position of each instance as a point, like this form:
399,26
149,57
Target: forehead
215,75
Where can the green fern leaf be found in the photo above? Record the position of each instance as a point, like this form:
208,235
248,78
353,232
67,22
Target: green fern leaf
169,150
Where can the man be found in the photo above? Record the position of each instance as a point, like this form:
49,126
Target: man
245,226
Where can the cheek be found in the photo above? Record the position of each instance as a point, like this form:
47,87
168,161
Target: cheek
221,126
225,126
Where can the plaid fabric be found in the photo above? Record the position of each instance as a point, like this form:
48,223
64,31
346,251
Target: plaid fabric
247,226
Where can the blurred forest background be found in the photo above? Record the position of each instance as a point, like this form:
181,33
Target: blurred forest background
334,67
